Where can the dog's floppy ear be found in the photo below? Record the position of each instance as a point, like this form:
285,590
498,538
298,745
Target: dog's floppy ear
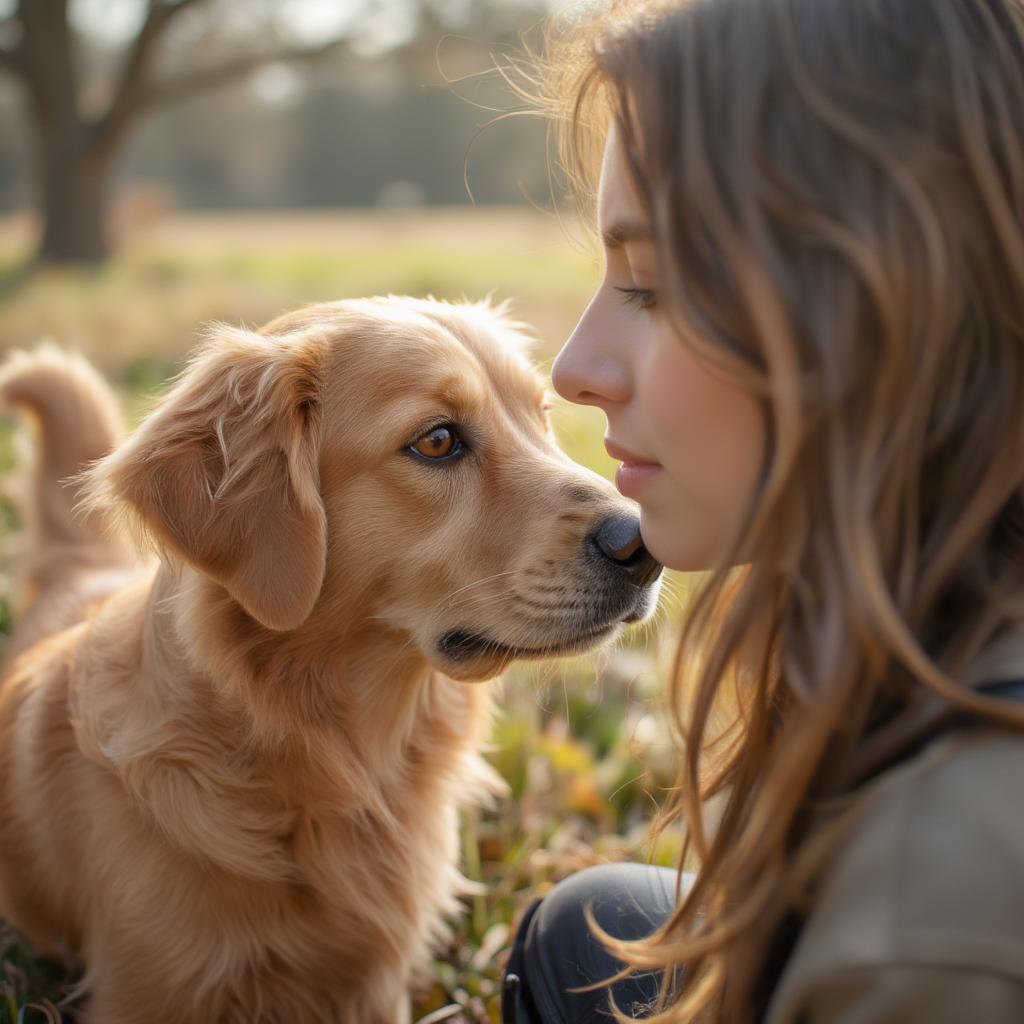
224,474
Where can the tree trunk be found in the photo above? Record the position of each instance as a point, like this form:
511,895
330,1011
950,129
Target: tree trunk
72,178
71,159
74,155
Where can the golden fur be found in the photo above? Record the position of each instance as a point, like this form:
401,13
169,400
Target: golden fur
229,777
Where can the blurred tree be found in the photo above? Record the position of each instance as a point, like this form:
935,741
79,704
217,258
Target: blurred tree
77,137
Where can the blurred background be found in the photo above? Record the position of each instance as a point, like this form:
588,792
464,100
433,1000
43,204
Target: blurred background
168,162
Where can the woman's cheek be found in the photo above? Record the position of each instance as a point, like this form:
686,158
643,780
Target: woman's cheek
709,437
670,392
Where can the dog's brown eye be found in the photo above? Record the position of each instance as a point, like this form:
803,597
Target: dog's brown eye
438,444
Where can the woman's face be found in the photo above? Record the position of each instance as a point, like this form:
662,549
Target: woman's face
691,444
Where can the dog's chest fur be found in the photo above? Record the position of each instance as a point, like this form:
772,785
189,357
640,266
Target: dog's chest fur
323,862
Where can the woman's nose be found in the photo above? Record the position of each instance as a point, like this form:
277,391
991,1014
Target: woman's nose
586,371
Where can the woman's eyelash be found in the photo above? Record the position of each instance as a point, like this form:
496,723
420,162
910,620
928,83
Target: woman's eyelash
640,298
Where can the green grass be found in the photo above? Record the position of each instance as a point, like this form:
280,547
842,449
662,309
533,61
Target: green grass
581,743
151,300
31,988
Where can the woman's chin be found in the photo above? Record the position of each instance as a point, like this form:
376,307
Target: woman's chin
676,546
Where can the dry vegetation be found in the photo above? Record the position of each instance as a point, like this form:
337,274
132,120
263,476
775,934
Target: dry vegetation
580,743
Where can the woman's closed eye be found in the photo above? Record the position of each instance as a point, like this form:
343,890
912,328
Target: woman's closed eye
638,298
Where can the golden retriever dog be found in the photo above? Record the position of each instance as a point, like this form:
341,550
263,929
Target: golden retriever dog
230,775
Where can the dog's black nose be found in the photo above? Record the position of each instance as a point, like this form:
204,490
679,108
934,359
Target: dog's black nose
618,540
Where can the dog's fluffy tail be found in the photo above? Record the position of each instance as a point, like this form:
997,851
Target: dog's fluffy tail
78,421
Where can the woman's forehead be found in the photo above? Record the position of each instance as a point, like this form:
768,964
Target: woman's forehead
620,214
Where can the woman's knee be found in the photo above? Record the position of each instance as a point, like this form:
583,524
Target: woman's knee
629,901
557,952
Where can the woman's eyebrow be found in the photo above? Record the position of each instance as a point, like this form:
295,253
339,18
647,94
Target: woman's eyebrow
616,235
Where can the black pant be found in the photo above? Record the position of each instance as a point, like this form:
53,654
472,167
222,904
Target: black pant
554,950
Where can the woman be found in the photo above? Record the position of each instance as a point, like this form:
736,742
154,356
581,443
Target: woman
809,346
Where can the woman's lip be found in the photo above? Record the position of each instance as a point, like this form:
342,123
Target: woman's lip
634,473
632,477
625,455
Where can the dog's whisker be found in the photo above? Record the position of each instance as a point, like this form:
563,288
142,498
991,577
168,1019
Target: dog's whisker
477,583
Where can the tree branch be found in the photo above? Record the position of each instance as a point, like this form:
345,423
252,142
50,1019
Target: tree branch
175,89
132,81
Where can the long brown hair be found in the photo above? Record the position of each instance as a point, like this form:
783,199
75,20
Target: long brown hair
836,188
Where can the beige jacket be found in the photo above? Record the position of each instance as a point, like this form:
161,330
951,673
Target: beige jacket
921,916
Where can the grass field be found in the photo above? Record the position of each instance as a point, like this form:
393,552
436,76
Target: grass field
581,743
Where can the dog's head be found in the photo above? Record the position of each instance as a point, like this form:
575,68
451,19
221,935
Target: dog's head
386,464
